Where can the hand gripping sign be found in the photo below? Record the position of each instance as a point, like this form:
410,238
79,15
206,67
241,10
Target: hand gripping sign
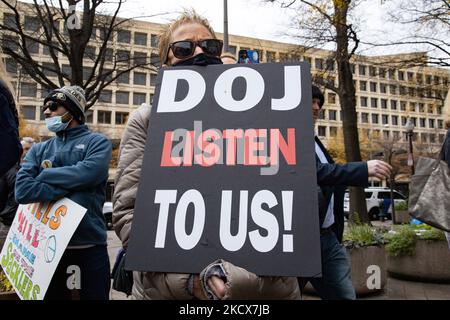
229,172
36,242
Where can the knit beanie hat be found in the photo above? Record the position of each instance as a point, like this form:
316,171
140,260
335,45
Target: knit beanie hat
316,93
72,98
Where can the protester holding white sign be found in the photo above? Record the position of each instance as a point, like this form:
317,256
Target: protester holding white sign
74,164
35,244
189,41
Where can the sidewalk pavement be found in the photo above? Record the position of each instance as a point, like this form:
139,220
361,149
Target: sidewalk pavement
395,289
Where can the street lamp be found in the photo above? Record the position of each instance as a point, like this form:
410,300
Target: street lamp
409,132
225,26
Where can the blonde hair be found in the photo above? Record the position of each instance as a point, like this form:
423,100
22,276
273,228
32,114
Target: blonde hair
4,76
188,16
447,110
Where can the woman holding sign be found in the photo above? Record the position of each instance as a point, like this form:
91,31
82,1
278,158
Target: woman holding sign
189,40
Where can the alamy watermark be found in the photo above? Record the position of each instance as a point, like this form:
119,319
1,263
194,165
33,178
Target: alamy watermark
73,21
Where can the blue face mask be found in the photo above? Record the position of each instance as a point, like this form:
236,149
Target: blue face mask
55,124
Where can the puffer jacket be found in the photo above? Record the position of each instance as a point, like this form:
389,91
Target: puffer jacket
240,283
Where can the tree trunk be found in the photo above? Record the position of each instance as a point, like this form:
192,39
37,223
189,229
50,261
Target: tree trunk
346,90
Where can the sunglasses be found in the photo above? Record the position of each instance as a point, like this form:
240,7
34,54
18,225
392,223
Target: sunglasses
53,106
185,48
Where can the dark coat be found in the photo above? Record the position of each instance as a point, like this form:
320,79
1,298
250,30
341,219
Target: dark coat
8,203
333,179
10,147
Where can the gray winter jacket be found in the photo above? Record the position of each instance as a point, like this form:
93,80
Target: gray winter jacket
240,284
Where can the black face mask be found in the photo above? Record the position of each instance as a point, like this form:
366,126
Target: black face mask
199,60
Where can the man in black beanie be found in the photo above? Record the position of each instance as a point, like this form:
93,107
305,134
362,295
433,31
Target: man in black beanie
336,283
74,164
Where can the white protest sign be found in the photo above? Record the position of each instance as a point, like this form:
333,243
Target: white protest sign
35,244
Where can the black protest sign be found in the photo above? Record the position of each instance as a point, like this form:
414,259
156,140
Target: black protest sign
229,172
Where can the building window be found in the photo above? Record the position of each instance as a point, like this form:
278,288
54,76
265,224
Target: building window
393,89
393,104
104,117
403,91
403,105
421,107
440,124
441,138
333,131
140,78
419,78
154,41
322,114
384,119
270,56
28,90
383,88
124,78
382,72
373,87
331,98
105,96
122,97
332,115
33,46
363,85
412,106
430,109
11,65
9,20
140,38
401,75
362,70
374,118
422,122
404,121
139,98
89,116
364,117
232,50
383,103
123,36
32,24
392,74
374,102
322,131
363,101
431,123
123,56
153,77
121,117
396,135
319,64
386,135
29,112
372,71
414,121
394,120
140,58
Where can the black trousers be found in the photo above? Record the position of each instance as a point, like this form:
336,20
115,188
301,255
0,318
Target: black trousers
91,269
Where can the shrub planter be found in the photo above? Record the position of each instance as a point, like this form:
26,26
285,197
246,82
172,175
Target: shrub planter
362,259
430,263
366,263
402,216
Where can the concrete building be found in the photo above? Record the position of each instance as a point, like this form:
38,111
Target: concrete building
386,96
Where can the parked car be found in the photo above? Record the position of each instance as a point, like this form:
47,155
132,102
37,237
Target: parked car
374,200
107,214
